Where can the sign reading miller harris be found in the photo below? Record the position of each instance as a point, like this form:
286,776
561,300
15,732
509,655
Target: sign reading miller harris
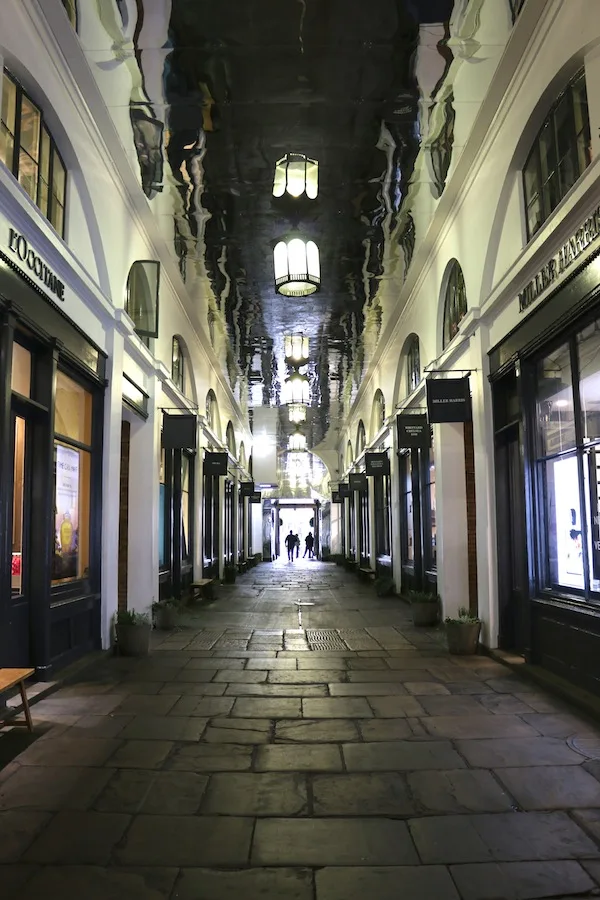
587,234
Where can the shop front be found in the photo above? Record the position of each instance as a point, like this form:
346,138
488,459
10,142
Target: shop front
52,379
418,526
545,378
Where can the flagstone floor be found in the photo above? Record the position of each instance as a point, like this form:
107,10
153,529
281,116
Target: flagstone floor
299,739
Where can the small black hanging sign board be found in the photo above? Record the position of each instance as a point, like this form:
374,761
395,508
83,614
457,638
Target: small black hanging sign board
215,463
377,464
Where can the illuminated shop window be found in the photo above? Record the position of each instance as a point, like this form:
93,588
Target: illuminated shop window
28,150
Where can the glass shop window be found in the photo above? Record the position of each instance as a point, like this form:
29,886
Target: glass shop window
408,536
29,151
162,511
72,480
430,512
20,380
186,550
568,464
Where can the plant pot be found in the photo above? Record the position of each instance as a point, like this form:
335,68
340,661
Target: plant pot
424,613
165,617
463,638
229,575
134,640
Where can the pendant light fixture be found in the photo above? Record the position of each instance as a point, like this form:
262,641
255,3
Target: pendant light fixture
297,389
297,442
297,413
297,267
296,175
295,348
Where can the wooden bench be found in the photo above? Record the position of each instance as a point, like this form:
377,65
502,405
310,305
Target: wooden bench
9,678
202,588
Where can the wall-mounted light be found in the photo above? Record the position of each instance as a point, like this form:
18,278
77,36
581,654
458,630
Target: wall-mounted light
297,413
297,442
295,348
297,268
295,175
297,389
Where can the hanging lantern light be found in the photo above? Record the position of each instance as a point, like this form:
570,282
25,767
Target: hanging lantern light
297,442
297,269
296,174
297,388
295,348
297,413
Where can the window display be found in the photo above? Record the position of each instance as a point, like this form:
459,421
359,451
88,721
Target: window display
72,475
568,485
18,506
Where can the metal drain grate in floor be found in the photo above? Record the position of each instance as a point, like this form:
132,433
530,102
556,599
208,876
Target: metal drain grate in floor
324,640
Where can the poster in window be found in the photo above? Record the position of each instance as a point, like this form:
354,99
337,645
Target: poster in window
568,529
66,513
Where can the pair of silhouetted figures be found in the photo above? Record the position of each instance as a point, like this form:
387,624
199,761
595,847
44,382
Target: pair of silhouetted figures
292,542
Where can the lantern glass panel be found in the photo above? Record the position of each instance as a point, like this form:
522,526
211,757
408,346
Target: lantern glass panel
297,413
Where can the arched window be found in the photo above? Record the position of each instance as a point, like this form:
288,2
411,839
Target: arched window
178,364
230,438
515,8
455,303
413,364
242,455
349,455
211,412
28,150
378,413
71,11
361,438
141,300
560,154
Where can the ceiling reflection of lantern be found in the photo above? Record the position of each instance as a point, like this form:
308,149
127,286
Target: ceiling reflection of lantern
297,413
297,268
297,388
295,348
296,174
297,442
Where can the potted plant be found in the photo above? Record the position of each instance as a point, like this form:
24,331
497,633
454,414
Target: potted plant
462,633
133,632
424,607
384,585
165,614
229,573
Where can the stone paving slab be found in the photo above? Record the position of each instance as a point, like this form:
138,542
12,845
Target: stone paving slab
224,764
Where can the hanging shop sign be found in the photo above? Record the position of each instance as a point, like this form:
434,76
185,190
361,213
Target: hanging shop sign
335,497
179,432
570,251
413,431
344,490
255,497
358,482
448,400
377,464
246,488
215,463
20,247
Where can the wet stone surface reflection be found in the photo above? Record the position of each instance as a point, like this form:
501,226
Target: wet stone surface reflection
238,760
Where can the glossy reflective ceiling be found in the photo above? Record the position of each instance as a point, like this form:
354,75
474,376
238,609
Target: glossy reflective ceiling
243,83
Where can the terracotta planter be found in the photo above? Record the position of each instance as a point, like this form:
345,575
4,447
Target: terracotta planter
463,637
134,640
424,613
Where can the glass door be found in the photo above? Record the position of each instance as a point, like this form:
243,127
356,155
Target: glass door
18,643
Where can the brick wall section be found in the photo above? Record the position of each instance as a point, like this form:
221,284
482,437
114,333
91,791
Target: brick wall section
471,517
124,516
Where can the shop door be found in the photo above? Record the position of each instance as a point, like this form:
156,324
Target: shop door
16,650
512,552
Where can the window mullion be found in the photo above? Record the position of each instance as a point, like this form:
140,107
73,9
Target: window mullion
50,180
17,137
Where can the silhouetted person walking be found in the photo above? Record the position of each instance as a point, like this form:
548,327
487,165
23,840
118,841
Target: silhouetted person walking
310,543
290,543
